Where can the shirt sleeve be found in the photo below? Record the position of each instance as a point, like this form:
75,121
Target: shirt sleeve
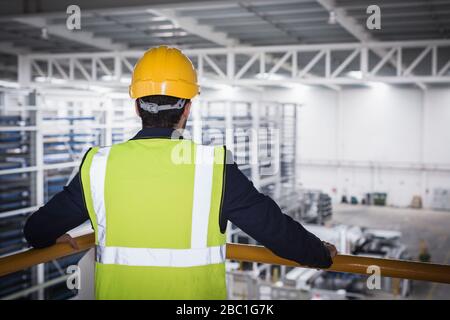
65,211
261,218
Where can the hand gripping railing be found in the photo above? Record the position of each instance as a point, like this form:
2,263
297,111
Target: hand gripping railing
341,263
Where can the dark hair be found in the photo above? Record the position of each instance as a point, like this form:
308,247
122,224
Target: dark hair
162,119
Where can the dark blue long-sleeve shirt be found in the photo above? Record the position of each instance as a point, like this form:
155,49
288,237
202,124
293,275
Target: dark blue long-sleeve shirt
253,212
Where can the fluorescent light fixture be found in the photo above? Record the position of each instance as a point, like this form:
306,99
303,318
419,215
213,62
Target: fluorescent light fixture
355,74
125,80
332,18
58,81
171,34
118,95
40,79
163,27
379,86
217,86
99,89
267,76
44,33
296,86
50,80
107,77
157,18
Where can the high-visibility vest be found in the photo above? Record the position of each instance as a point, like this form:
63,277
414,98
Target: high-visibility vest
155,207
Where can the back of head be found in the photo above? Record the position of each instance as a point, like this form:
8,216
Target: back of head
163,83
168,118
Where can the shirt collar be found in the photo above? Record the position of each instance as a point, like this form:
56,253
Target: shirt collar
154,133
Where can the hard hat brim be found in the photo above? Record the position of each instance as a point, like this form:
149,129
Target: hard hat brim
174,88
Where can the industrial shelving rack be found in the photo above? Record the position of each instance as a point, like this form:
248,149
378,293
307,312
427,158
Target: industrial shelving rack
44,135
16,189
262,138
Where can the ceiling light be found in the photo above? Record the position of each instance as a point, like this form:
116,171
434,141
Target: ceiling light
296,86
118,95
58,81
50,80
125,80
44,33
40,79
163,27
171,34
332,18
379,86
269,76
99,89
107,77
217,86
355,74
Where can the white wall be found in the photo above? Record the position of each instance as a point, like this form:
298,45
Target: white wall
437,124
374,139
368,139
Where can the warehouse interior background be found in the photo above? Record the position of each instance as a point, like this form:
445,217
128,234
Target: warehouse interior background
361,118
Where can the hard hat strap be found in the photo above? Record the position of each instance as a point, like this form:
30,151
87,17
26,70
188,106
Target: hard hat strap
155,108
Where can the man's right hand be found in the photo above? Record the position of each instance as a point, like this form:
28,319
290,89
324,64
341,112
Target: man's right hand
66,238
331,248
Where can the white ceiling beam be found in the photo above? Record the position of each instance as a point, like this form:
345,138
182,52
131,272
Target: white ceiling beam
192,26
53,9
84,37
357,30
346,21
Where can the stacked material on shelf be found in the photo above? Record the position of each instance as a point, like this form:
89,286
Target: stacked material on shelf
441,199
261,136
12,240
14,154
70,142
317,206
125,120
14,191
11,235
416,202
15,194
376,198
55,180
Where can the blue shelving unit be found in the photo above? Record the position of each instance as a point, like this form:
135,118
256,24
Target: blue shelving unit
15,193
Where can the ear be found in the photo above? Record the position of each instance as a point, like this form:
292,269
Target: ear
136,108
187,109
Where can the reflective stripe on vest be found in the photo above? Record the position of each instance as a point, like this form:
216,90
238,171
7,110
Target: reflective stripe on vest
198,255
97,176
144,257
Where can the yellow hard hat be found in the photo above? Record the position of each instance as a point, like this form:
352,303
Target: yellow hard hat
164,71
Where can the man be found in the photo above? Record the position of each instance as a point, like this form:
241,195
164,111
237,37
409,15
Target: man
159,206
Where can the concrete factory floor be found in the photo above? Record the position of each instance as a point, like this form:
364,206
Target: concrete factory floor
431,226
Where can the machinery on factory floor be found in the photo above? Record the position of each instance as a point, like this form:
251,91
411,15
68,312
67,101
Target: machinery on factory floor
316,207
254,281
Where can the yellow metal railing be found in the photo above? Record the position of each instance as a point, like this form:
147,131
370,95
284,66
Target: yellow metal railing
341,263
